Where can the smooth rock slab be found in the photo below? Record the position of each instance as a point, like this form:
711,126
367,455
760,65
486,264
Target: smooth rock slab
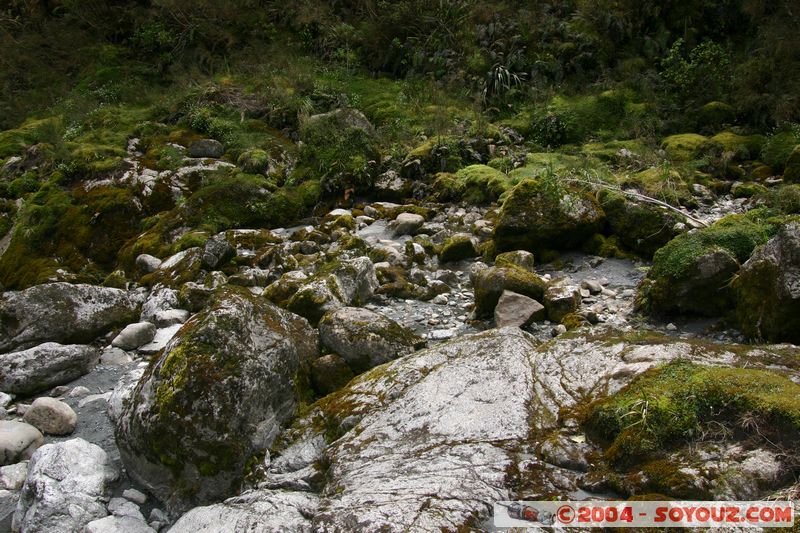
18,441
51,416
118,524
61,312
45,366
134,336
67,486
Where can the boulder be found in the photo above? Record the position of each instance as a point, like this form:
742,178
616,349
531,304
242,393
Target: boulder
61,312
18,441
217,394
459,246
147,263
535,218
45,366
490,283
217,251
768,289
259,511
392,187
561,300
206,148
518,258
118,524
67,486
160,299
51,416
407,223
330,373
517,310
134,335
365,339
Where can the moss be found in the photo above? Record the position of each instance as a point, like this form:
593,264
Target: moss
573,321
714,115
14,142
641,228
747,190
791,171
490,284
603,246
475,184
254,161
671,404
778,148
609,151
456,248
784,199
662,183
683,147
744,146
165,157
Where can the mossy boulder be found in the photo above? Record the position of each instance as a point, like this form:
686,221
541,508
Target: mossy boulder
459,246
662,183
747,190
254,161
670,405
366,339
768,289
744,147
215,397
518,258
538,215
491,282
714,115
791,170
778,148
640,227
475,184
692,273
684,146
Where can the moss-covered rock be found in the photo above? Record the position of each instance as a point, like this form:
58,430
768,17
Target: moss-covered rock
683,147
640,227
778,148
714,115
518,258
254,161
459,246
692,273
791,170
744,147
747,190
662,183
540,215
215,397
670,405
491,282
475,184
768,291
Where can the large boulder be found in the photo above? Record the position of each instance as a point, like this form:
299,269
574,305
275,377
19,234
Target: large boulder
67,487
491,282
218,393
366,339
206,148
537,217
768,289
640,227
45,366
18,441
61,312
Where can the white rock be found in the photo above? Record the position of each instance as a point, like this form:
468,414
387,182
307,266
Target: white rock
170,317
44,366
13,476
135,496
408,223
18,441
118,524
115,356
79,392
147,263
123,507
134,336
51,416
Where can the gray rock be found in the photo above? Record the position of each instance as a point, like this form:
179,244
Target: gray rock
8,504
206,148
329,374
260,511
391,186
18,441
5,399
170,317
12,477
147,263
61,312
519,258
123,507
365,339
561,300
217,251
563,452
67,485
45,366
51,416
134,336
79,392
217,394
114,356
160,299
118,524
592,285
135,496
517,310
407,223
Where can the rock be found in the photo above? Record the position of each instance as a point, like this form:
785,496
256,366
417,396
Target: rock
365,339
118,524
67,485
490,283
134,335
459,246
260,511
206,148
123,507
51,416
8,504
768,289
407,223
558,330
79,392
18,441
563,452
135,496
561,300
517,310
177,269
592,285
115,356
217,394
217,251
170,317
518,258
61,312
315,299
640,227
160,299
147,263
45,366
533,218
13,476
391,186
329,374
5,399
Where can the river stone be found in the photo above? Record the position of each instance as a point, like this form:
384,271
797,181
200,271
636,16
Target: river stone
206,148
147,263
518,258
45,366
768,289
561,300
517,310
160,299
491,282
51,416
118,524
407,223
217,394
134,335
18,441
364,338
67,486
61,312
259,511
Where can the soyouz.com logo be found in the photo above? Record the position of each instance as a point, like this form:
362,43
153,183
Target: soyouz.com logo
643,514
